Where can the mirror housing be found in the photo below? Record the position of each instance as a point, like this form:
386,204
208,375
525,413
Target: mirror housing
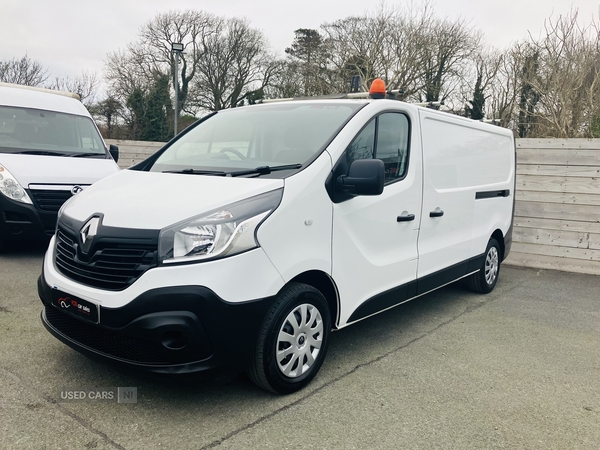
114,152
365,177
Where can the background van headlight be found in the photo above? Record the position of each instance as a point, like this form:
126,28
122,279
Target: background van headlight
10,187
218,233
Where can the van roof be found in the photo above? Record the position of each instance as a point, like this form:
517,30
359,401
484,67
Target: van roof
40,98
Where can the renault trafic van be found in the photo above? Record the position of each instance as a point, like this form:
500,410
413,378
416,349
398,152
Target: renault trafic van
247,239
50,149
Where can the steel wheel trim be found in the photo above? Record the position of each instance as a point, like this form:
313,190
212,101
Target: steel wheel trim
491,266
299,341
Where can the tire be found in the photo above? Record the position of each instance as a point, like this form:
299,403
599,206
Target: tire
485,280
297,326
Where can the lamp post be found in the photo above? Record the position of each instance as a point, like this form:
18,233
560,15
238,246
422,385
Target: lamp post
177,49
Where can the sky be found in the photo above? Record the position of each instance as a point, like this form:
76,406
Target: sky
71,36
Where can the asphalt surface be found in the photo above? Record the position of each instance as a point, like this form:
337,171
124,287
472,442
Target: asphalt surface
516,369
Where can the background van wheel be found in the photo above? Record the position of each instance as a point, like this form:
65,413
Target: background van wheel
292,341
485,280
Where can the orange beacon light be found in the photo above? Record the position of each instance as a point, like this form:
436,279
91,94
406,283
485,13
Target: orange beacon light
377,90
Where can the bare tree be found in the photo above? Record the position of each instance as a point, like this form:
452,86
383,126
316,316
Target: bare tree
154,52
144,61
384,45
235,66
503,100
409,48
355,50
23,71
550,86
408,43
568,78
86,86
125,75
481,76
449,45
224,62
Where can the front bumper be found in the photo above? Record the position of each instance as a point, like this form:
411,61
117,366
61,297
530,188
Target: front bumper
171,330
22,221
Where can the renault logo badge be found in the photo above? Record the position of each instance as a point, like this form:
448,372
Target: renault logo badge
88,233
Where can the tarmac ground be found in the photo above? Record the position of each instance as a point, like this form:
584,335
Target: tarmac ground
518,368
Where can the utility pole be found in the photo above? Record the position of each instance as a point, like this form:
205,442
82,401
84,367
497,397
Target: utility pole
176,48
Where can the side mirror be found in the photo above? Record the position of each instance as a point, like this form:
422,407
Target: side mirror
365,177
114,152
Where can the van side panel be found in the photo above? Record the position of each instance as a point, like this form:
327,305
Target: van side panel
469,175
494,194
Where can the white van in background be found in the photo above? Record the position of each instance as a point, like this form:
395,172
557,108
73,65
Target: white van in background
248,238
50,150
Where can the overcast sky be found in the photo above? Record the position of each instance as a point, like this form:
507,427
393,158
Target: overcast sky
69,36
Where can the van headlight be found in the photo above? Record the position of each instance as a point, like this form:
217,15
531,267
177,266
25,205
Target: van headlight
10,187
222,232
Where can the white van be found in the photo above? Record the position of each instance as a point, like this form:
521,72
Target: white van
246,240
50,149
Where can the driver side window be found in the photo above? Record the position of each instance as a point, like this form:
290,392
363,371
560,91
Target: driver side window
385,138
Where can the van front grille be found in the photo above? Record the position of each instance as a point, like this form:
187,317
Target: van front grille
113,264
49,200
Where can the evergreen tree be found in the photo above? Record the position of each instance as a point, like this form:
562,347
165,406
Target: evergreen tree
476,110
529,96
149,111
308,56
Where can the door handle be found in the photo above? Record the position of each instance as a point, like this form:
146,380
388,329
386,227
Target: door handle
436,213
406,218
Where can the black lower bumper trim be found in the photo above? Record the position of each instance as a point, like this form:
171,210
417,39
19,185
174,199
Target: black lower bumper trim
103,341
183,329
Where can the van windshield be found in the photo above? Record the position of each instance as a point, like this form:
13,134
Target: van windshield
35,131
286,135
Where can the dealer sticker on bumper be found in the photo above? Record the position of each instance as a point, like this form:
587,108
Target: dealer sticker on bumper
75,306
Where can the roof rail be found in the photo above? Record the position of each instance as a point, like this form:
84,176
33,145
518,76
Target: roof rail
327,97
48,91
492,121
377,91
429,104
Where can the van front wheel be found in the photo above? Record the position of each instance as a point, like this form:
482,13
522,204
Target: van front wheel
292,341
485,280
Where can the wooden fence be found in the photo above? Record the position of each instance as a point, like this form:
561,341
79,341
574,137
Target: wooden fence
132,152
557,213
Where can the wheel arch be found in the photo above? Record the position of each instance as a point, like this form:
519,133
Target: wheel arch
500,238
326,286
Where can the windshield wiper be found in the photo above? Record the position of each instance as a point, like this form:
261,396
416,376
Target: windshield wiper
86,155
40,152
197,172
264,170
